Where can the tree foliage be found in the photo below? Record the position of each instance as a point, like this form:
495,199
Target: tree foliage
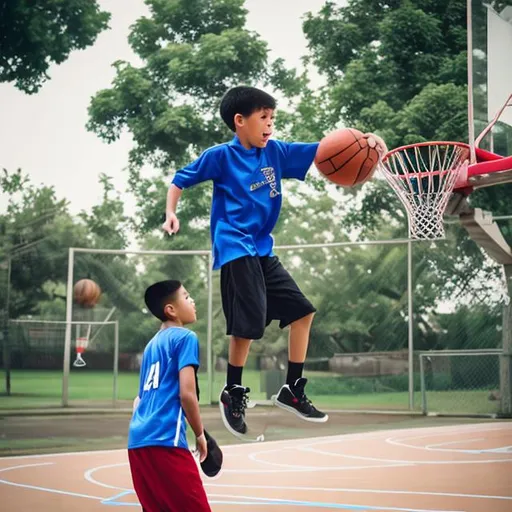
33,35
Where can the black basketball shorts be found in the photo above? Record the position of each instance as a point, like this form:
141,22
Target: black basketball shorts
256,290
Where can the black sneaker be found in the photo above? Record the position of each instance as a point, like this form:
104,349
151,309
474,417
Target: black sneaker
232,404
292,398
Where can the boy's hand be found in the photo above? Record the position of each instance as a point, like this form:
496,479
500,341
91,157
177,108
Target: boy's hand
171,224
374,141
201,447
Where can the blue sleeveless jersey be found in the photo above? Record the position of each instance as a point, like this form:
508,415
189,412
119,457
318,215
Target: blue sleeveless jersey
159,419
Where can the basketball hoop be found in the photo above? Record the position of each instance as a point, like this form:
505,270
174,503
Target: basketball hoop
82,342
423,176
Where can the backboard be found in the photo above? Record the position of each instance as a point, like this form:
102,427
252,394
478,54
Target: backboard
490,94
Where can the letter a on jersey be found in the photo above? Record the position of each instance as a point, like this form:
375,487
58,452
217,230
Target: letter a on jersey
153,377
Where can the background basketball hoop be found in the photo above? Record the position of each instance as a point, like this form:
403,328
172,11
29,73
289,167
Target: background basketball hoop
82,342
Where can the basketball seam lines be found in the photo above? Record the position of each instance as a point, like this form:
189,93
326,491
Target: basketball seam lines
344,163
356,141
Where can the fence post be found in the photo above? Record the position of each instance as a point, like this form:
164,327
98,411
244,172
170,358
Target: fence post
6,347
410,314
67,340
423,386
506,357
116,363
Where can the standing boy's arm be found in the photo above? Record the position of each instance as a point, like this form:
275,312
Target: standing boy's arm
188,398
190,404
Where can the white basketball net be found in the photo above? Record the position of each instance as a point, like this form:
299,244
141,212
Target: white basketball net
423,176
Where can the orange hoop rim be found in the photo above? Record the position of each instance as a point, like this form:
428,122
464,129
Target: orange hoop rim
424,144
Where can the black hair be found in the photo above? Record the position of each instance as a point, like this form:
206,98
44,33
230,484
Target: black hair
243,100
158,295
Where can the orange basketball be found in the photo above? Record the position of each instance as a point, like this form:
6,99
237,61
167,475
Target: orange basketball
345,158
86,293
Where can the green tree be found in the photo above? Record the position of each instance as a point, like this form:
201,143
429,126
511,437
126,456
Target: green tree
35,34
37,230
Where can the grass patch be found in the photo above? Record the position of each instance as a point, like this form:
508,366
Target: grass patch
88,388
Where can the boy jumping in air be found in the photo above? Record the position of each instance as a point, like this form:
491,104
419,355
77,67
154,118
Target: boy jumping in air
256,288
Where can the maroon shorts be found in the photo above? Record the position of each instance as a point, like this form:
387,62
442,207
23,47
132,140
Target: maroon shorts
167,480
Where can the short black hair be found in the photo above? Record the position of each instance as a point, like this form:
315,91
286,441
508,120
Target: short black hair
243,100
160,294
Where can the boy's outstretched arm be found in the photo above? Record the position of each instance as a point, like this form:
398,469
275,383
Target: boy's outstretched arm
190,404
172,224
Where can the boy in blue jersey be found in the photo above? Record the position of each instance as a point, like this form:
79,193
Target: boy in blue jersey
164,473
256,289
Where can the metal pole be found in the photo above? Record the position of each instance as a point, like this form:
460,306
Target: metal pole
423,387
410,312
506,356
116,361
471,110
209,335
6,346
67,340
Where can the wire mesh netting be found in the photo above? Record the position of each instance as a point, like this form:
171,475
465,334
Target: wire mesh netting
358,356
36,343
36,356
461,382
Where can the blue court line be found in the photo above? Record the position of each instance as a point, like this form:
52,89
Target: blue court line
113,501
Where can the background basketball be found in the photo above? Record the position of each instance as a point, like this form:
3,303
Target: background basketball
345,158
86,293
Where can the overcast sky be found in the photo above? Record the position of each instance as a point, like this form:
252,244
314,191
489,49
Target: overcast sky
44,134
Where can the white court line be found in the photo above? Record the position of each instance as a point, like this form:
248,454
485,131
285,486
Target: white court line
44,489
289,468
309,447
369,491
433,447
63,454
400,442
27,466
88,476
347,506
409,462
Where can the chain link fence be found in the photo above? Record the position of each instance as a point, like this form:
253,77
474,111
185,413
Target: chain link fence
360,353
462,382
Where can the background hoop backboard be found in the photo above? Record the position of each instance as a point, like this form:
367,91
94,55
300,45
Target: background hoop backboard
492,71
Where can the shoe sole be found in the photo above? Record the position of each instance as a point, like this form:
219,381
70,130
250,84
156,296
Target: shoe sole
230,429
297,413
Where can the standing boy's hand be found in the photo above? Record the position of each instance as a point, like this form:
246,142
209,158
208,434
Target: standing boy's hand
171,224
202,447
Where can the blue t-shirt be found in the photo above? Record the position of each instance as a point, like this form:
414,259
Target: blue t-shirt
246,192
159,419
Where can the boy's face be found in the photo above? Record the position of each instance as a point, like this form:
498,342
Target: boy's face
183,307
257,128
